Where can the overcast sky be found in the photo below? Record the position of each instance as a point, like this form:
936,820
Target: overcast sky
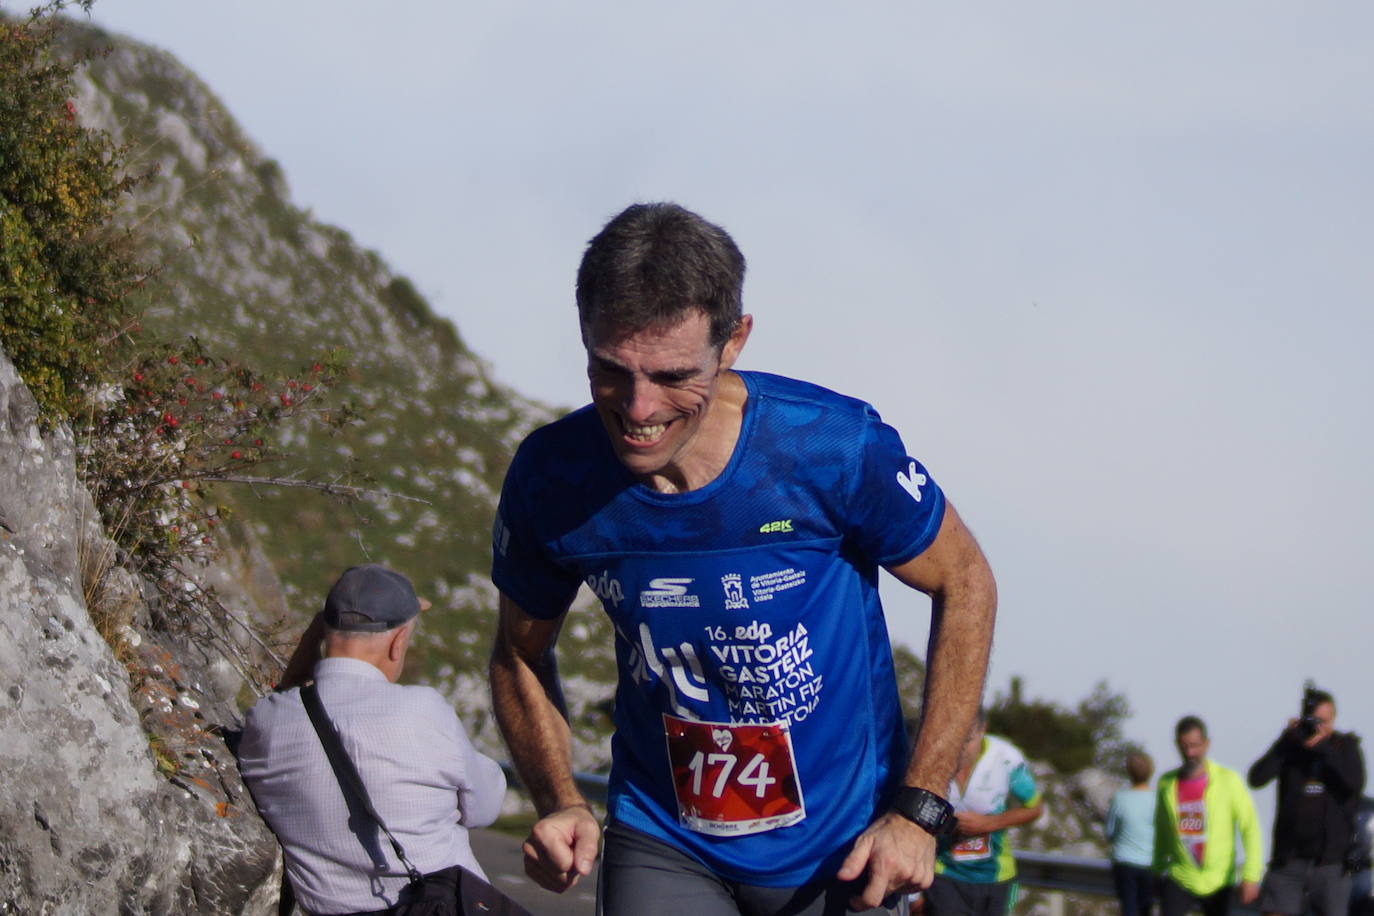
1107,268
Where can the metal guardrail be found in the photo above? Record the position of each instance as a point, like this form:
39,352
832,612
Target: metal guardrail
1053,872
1060,875
592,786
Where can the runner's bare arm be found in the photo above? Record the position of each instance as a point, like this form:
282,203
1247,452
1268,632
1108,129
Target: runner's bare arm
956,576
895,852
529,707
974,824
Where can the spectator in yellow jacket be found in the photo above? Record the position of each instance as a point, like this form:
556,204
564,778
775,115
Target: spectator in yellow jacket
1201,807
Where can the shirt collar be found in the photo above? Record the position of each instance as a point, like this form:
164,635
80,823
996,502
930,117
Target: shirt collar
331,668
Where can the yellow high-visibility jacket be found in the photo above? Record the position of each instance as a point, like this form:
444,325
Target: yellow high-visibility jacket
1229,809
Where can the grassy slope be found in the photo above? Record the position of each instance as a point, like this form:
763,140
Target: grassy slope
258,279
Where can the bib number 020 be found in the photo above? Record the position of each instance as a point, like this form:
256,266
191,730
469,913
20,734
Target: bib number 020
731,779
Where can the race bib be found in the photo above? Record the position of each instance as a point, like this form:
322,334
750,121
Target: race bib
1192,820
971,849
1192,828
733,780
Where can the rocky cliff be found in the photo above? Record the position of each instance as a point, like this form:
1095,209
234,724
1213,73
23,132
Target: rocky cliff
118,794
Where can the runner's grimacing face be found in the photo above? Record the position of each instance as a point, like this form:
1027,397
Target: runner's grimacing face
653,389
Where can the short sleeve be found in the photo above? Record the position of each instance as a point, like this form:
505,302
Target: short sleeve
896,508
1022,784
479,780
520,566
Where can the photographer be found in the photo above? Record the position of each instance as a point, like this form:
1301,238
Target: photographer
1321,775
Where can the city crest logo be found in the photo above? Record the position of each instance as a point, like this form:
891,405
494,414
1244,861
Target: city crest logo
733,584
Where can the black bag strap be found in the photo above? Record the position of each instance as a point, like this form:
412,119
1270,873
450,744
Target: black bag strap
347,773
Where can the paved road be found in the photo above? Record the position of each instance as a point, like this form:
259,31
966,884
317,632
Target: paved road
503,862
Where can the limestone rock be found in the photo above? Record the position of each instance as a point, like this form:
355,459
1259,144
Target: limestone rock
96,816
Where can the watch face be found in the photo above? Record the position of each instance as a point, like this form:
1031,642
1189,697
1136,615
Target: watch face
925,808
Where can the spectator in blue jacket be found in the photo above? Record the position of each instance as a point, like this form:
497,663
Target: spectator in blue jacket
1131,831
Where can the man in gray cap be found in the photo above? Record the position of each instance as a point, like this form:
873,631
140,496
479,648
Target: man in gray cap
425,779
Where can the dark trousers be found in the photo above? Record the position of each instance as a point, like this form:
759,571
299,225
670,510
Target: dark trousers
1175,901
948,897
1135,888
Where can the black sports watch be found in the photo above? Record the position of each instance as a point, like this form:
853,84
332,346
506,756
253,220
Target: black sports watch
925,809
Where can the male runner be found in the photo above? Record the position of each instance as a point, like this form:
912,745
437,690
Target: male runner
1200,808
733,525
992,791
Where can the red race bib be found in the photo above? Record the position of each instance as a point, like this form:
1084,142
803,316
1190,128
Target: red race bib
733,780
971,849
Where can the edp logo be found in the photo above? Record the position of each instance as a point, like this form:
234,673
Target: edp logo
606,588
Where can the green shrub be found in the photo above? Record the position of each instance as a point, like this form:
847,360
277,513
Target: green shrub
158,423
64,270
1068,739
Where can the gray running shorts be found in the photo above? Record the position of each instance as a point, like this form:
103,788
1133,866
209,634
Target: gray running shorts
640,874
1299,883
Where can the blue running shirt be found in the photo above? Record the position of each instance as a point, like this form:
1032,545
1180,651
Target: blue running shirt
756,716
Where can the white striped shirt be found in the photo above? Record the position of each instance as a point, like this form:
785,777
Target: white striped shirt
425,779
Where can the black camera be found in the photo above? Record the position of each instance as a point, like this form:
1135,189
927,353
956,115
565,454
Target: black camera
1308,724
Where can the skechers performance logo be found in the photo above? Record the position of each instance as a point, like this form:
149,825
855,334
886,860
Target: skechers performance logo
668,593
606,588
912,481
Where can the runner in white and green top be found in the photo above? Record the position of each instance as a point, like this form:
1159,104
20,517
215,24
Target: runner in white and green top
993,790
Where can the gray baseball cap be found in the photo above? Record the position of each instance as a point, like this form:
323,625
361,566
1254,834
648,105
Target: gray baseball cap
371,599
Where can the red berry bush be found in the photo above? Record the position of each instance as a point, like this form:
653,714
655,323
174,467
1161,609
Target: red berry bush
171,425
